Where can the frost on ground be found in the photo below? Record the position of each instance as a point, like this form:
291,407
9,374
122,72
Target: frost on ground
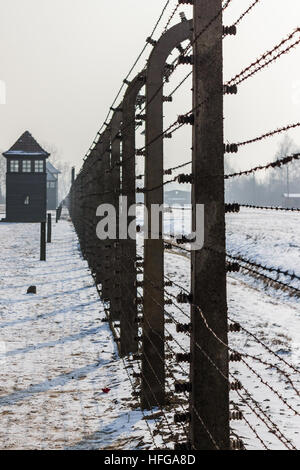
272,239
270,401
56,355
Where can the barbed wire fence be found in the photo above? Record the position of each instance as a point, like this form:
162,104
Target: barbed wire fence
177,342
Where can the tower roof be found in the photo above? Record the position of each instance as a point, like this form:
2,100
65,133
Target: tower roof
51,169
26,146
51,176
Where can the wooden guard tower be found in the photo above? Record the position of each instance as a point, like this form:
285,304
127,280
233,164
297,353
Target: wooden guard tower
26,181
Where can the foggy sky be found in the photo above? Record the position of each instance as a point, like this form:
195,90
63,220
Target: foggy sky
64,60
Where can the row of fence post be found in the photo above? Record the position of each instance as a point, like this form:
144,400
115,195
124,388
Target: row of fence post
110,172
45,236
46,232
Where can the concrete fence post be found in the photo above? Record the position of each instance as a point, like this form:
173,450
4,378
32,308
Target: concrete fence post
43,242
153,356
129,313
49,228
209,405
115,182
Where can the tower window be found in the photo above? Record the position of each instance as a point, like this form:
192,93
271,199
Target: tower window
26,202
39,166
26,166
14,166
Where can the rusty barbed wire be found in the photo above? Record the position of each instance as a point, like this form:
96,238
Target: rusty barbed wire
268,58
162,359
267,348
273,208
243,360
176,61
127,77
280,371
266,384
133,388
270,134
235,24
252,357
276,164
173,13
265,363
144,378
263,415
257,65
270,281
172,126
148,190
246,12
198,416
169,171
208,25
255,337
273,366
239,257
180,84
144,415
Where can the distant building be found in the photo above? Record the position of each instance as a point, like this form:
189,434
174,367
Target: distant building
26,199
52,186
177,197
291,201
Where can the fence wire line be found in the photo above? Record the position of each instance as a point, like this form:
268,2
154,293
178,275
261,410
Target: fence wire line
270,56
129,73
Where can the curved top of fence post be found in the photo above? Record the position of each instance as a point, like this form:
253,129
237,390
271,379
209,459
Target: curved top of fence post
116,120
134,87
167,42
154,98
154,248
103,138
128,134
154,106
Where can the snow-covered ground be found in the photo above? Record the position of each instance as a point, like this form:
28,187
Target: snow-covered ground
267,237
272,239
277,324
58,355
273,315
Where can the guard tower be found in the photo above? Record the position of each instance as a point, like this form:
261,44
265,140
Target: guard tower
52,186
26,181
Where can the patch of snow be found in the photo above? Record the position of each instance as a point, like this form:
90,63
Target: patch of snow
58,354
59,357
